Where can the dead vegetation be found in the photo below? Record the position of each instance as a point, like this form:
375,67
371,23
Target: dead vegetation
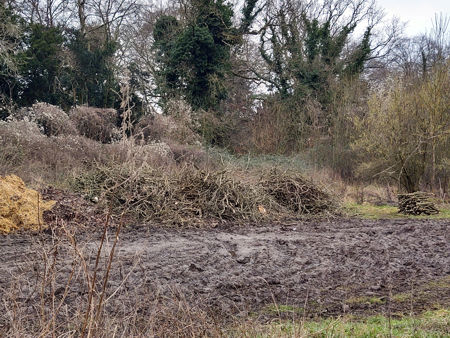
50,119
297,194
40,159
191,196
96,123
178,125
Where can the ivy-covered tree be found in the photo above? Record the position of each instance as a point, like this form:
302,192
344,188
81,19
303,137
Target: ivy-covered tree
193,55
306,54
91,78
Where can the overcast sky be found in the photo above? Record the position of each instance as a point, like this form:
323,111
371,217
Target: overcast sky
419,14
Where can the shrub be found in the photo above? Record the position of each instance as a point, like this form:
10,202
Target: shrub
190,154
98,124
404,134
151,128
32,155
163,128
280,126
26,151
214,129
51,120
177,125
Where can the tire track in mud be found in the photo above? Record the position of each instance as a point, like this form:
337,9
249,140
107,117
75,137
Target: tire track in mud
332,267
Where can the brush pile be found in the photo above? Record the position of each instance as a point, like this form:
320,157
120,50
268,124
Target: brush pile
296,194
187,196
416,203
191,196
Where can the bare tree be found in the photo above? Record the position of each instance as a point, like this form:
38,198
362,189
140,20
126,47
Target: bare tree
50,13
113,14
135,50
416,56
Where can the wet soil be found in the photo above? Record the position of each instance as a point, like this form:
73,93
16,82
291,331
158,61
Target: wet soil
305,268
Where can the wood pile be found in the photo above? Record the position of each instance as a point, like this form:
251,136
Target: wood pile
416,203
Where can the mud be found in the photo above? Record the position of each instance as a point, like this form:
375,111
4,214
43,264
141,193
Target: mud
311,268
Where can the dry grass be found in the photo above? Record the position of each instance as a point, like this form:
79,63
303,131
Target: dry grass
41,160
37,158
355,192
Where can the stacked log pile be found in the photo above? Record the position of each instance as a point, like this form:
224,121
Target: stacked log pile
416,203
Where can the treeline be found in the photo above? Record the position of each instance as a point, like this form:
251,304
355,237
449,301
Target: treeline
329,77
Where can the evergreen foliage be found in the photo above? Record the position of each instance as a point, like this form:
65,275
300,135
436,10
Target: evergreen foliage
194,56
306,58
41,66
92,76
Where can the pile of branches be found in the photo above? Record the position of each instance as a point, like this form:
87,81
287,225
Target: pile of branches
191,196
416,203
185,196
296,194
217,194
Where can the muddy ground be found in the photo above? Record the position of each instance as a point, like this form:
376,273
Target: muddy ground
305,268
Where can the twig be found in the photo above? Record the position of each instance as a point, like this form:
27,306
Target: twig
108,269
92,286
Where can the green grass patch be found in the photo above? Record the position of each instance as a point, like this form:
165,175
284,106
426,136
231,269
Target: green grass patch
423,293
369,211
429,324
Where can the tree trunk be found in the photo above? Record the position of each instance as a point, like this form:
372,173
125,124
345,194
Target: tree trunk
82,16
